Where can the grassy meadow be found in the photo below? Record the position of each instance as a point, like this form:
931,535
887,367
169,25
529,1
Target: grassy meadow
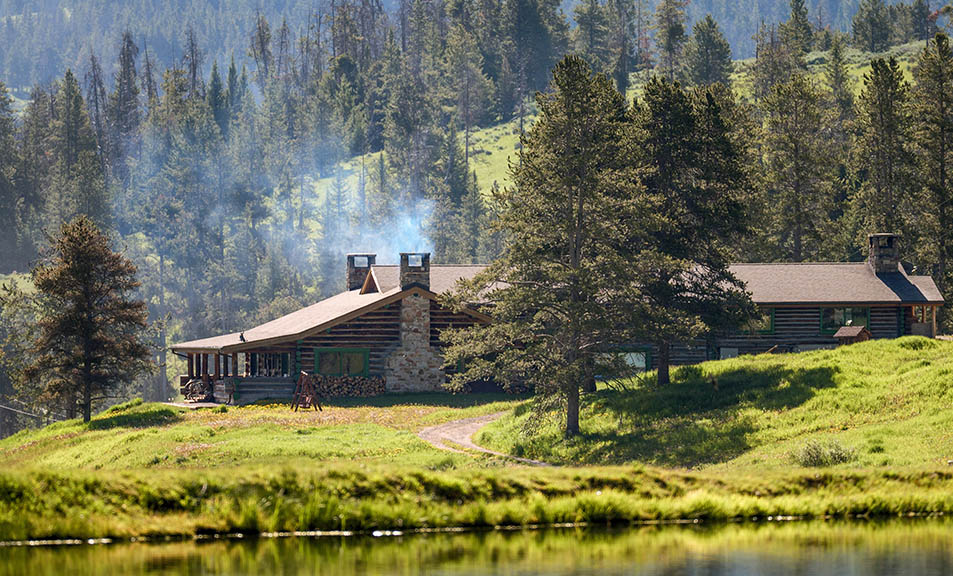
883,403
721,443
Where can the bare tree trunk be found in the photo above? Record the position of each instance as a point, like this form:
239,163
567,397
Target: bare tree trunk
664,349
572,409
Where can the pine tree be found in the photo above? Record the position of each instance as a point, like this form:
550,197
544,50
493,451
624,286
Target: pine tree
91,339
9,244
799,170
590,35
473,90
621,46
565,273
839,84
933,138
797,32
884,162
124,108
775,62
707,55
77,185
670,34
872,26
691,168
217,99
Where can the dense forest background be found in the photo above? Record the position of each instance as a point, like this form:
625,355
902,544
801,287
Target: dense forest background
41,38
238,154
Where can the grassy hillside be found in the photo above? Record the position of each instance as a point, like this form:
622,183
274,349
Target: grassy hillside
880,403
149,436
148,469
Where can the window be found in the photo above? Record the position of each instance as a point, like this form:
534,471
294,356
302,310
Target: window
725,353
834,318
341,362
636,361
761,323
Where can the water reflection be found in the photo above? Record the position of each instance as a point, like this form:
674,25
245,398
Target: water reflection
915,547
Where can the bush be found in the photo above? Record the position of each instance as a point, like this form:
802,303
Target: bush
818,454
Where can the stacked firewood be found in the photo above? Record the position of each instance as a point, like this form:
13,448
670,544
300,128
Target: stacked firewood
197,391
331,386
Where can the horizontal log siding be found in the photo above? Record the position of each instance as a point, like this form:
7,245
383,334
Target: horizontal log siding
885,322
378,331
442,318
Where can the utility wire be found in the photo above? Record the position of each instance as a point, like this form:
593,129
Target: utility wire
20,412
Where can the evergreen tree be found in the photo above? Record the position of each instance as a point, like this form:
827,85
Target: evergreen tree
775,62
799,170
566,276
77,185
124,105
91,339
9,243
872,26
217,98
622,24
797,32
933,138
473,90
884,161
839,84
670,34
590,35
707,55
691,168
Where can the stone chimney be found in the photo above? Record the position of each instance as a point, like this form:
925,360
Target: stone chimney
358,267
414,270
884,255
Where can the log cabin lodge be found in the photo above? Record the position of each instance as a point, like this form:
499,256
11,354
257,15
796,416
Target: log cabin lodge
382,334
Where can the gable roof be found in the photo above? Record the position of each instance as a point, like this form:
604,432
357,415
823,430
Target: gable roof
772,284
334,310
442,277
833,283
850,331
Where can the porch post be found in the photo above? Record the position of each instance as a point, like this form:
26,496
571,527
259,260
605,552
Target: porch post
234,363
933,333
218,365
191,358
204,366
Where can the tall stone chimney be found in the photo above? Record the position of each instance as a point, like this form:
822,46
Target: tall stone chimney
884,255
358,267
414,270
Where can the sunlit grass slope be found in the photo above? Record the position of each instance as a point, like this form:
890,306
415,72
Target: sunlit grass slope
885,402
136,435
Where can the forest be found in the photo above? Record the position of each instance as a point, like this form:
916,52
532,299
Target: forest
204,167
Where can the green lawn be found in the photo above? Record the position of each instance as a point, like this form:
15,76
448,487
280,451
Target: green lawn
149,436
889,402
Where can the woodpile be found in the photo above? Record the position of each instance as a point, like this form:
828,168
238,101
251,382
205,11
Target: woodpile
355,386
196,390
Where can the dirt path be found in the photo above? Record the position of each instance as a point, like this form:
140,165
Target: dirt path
460,433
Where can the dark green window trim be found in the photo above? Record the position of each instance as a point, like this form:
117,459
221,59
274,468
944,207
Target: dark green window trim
317,356
770,329
820,315
646,350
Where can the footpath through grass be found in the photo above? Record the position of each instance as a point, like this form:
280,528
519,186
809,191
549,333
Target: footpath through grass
136,435
879,403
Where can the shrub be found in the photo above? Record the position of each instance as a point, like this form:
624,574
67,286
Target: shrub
816,454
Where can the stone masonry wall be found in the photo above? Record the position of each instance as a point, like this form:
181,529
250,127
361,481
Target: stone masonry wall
414,366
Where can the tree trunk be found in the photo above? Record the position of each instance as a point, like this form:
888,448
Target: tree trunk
663,362
589,384
572,410
87,402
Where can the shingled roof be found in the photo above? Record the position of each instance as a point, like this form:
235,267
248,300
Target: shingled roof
442,278
330,311
772,284
833,283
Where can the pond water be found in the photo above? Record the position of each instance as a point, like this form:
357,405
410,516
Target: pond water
870,549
